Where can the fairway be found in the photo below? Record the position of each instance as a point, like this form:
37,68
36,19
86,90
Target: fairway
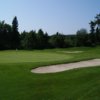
18,83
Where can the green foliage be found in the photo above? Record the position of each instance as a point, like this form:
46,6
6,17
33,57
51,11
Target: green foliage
92,33
98,36
40,39
82,38
5,35
95,30
30,40
68,42
57,40
33,40
10,38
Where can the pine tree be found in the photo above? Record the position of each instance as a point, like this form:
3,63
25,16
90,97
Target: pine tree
15,34
92,33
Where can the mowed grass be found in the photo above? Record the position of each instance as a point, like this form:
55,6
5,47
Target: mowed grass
31,56
18,83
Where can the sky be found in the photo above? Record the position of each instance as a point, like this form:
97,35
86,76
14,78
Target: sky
64,16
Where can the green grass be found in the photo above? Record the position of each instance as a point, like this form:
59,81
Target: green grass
31,56
18,83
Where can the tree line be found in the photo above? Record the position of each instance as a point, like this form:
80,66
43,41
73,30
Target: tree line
11,38
9,35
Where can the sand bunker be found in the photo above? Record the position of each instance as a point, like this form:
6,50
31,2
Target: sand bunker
64,67
74,51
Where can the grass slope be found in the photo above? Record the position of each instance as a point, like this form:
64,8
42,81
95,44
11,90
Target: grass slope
18,83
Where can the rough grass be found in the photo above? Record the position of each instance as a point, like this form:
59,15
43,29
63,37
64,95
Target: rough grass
18,83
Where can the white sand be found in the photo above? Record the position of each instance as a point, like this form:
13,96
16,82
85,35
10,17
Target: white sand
64,67
72,51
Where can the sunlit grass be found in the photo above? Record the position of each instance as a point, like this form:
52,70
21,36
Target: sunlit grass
31,56
18,83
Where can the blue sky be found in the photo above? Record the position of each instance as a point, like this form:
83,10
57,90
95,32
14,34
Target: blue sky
65,16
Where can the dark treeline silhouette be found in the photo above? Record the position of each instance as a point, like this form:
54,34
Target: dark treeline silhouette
9,35
10,38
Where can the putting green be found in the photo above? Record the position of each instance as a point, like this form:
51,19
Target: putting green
31,56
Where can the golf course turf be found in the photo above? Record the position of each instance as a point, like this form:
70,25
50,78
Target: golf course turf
18,83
